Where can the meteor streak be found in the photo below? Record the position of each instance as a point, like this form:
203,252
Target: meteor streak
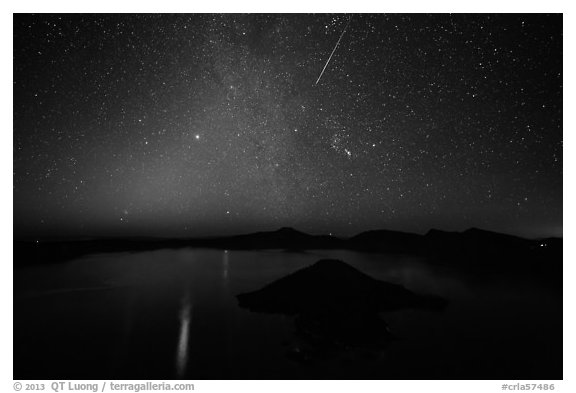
333,50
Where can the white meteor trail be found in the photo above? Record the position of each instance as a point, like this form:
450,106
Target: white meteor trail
333,50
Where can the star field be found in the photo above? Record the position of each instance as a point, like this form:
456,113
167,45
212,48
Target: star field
197,124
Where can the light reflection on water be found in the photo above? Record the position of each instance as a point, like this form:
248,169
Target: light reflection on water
183,337
226,267
174,313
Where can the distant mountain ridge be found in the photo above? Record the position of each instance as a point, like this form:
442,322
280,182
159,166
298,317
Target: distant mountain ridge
474,245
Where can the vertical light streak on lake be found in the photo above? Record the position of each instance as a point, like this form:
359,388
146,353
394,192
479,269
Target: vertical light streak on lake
182,351
226,264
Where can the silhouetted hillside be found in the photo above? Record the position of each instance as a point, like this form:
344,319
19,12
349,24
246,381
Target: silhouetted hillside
473,248
284,238
387,241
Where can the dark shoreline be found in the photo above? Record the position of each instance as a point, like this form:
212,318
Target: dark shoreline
473,249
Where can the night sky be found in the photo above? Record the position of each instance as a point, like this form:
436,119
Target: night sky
192,125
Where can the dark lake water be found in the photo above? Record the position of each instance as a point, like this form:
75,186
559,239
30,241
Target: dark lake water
173,314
